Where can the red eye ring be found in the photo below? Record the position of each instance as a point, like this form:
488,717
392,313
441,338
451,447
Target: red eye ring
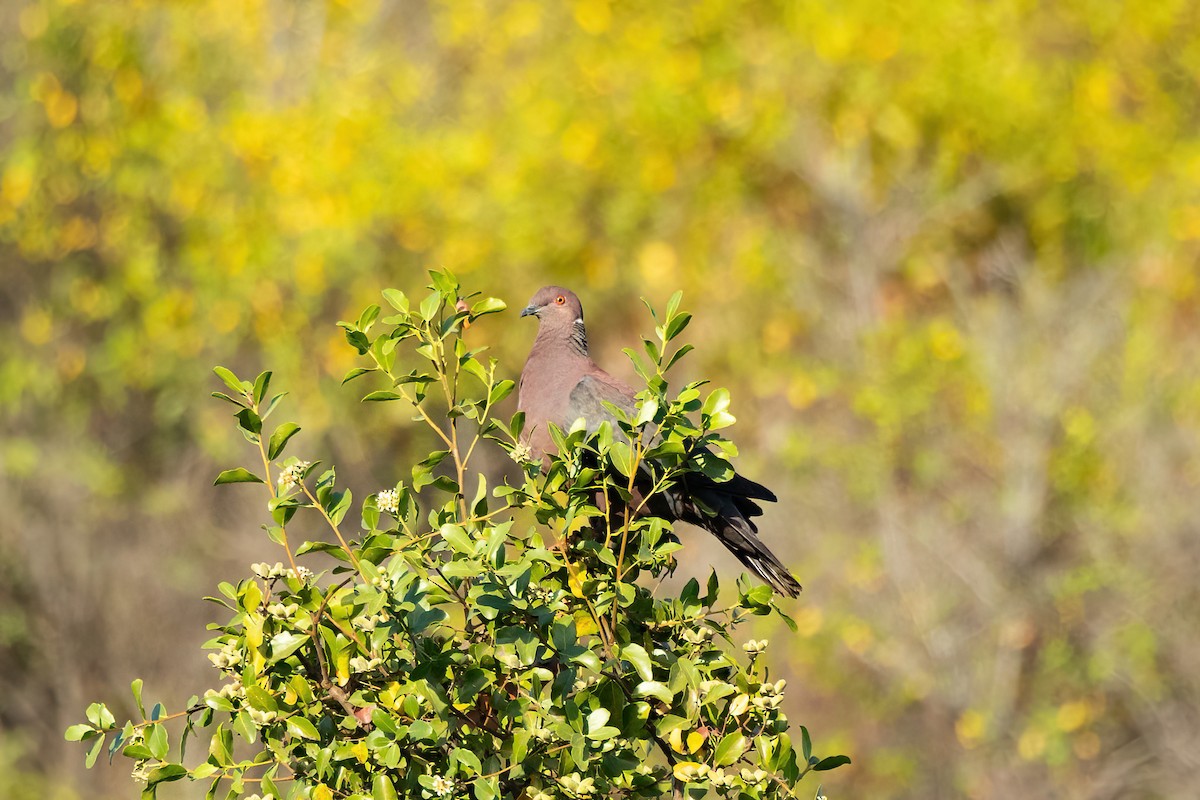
560,300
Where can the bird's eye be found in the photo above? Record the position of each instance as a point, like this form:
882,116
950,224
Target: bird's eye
560,300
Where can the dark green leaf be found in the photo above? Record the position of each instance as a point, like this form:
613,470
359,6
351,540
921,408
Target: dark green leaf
832,762
280,438
260,386
165,774
356,372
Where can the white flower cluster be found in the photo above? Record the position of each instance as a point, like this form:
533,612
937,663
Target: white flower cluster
388,500
141,771
227,658
585,683
293,475
753,776
770,695
368,623
267,796
755,646
578,785
262,718
283,610
229,691
718,778
442,785
360,664
702,635
277,570
691,771
522,454
541,795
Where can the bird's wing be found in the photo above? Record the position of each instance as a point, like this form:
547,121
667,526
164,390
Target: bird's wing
589,396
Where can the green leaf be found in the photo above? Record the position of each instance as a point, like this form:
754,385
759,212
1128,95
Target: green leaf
230,379
260,698
805,743
136,688
302,727
500,391
165,774
488,305
381,396
260,386
832,762
458,538
673,303
382,788
99,715
156,740
396,299
648,410
678,354
285,643
468,759
636,655
730,749
249,421
94,752
223,396
356,372
237,475
77,733
471,683
430,305
279,439
676,325
654,689
622,457
367,318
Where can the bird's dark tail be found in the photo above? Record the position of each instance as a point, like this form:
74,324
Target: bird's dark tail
725,509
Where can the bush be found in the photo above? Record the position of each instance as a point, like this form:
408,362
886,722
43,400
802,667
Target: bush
455,649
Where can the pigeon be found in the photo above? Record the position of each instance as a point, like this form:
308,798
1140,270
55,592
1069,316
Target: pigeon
561,383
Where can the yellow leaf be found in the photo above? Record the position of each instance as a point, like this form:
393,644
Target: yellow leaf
359,751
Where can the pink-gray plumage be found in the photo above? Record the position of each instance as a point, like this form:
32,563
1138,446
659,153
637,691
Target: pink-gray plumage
561,383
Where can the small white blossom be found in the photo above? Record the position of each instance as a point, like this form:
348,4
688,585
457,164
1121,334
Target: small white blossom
522,453
388,500
578,785
541,795
360,664
755,646
293,475
262,718
141,772
442,785
228,658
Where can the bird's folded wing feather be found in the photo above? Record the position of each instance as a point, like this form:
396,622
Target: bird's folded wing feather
589,396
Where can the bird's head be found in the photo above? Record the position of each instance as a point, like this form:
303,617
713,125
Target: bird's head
555,306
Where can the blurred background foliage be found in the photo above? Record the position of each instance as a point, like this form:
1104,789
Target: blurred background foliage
944,253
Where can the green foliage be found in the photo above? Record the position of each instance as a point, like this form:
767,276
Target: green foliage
455,649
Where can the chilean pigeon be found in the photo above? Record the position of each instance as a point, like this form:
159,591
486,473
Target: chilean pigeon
561,383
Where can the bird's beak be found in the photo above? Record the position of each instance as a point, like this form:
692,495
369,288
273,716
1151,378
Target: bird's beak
530,311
